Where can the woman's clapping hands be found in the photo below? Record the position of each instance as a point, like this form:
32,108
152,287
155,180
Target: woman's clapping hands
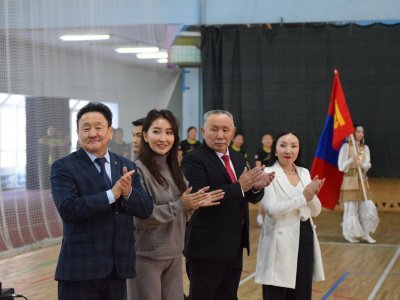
313,188
201,198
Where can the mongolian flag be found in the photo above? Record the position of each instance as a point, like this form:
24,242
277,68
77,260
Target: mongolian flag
338,126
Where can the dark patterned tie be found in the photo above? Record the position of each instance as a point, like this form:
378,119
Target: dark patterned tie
101,162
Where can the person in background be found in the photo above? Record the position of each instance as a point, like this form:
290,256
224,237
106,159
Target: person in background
135,148
96,193
289,256
136,137
58,143
117,144
216,236
354,225
188,145
160,238
262,157
236,146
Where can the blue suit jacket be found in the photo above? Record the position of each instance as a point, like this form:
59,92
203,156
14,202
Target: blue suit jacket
97,236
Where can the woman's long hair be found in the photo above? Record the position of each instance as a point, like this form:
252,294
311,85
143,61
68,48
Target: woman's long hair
274,157
362,142
147,155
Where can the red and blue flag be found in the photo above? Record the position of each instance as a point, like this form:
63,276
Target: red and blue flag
338,126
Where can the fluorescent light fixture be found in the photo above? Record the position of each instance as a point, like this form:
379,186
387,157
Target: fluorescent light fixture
84,37
162,60
137,50
152,55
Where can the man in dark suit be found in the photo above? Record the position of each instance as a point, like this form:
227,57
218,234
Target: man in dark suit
136,137
216,236
96,193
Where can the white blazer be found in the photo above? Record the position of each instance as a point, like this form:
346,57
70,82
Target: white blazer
279,239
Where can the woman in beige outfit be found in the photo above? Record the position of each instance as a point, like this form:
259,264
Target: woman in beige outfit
160,238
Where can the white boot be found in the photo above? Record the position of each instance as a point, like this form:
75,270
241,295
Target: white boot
259,220
351,239
369,219
369,238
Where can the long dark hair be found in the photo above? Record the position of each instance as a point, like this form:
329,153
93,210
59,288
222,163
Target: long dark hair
147,155
274,157
362,142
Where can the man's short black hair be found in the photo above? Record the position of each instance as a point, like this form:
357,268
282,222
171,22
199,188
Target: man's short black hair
190,128
95,107
138,122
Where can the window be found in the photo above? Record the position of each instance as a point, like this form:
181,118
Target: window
12,140
13,136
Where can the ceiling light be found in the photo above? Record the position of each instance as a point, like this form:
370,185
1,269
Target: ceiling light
162,60
152,55
84,37
137,50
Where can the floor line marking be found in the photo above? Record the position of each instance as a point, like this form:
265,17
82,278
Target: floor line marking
384,275
247,279
358,244
335,285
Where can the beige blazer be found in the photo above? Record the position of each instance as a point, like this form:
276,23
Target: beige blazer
279,239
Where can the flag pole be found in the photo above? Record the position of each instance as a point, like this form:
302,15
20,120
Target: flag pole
356,150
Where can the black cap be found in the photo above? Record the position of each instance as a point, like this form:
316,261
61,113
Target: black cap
138,122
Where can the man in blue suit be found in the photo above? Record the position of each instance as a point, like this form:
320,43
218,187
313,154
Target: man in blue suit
96,193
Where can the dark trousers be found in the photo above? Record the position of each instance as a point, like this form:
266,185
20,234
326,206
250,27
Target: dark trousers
305,263
214,279
109,288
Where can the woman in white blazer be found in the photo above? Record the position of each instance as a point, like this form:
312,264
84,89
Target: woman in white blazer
289,256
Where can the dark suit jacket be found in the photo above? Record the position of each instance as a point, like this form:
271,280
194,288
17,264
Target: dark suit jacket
216,232
97,235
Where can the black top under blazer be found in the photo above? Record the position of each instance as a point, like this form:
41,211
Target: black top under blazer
97,236
217,232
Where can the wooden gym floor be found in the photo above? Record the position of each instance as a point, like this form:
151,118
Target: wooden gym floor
353,271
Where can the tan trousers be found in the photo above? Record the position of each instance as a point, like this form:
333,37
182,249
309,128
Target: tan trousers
156,280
